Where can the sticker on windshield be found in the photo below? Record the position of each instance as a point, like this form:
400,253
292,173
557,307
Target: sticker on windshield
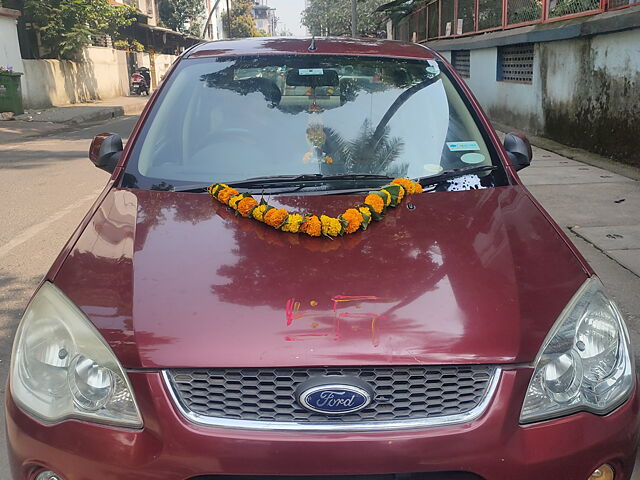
462,146
472,158
432,168
433,69
311,71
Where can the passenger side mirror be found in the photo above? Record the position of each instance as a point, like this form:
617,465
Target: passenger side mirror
105,151
518,149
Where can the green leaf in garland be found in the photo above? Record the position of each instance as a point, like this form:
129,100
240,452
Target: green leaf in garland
344,223
366,220
394,191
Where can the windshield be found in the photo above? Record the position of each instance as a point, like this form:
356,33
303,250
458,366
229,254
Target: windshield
232,119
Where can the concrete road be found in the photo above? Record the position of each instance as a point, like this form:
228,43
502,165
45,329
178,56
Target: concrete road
48,184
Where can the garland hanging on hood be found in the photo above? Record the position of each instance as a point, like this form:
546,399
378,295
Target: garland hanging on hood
353,219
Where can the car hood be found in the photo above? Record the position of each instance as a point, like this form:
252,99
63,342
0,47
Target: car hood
178,280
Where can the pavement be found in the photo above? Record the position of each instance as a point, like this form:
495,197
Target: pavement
49,184
41,122
605,195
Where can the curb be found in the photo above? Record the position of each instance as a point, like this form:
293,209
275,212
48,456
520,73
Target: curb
96,116
97,113
577,154
105,113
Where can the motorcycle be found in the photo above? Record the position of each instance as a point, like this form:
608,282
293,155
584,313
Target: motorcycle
140,80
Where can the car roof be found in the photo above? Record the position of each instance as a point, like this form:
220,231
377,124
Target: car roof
323,46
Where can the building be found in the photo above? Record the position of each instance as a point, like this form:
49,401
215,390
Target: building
266,20
563,69
214,19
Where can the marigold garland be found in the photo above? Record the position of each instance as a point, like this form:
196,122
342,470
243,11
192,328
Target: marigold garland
352,220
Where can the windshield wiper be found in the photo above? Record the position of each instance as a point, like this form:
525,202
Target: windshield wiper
276,180
449,174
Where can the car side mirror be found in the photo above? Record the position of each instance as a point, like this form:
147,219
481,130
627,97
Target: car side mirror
105,151
518,149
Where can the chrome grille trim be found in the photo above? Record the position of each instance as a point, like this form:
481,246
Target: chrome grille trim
410,424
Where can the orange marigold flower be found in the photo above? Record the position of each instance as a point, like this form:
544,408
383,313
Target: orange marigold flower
418,188
275,217
408,185
375,202
233,201
226,193
306,158
245,205
330,226
258,212
354,217
329,159
311,226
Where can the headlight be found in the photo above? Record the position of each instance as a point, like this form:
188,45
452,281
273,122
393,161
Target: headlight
585,363
62,368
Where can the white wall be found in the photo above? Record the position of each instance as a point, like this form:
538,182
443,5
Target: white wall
9,47
101,74
514,103
584,93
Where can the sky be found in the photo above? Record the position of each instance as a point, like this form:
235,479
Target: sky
288,11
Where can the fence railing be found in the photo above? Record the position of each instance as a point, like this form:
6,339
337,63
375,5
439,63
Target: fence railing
455,18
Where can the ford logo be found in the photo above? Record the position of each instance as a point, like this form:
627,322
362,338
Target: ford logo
334,399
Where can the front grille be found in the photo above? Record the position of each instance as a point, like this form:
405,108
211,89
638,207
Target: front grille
401,394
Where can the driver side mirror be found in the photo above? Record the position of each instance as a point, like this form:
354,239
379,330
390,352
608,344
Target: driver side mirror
518,149
105,151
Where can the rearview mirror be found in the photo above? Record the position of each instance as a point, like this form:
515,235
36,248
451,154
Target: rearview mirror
105,151
312,77
518,149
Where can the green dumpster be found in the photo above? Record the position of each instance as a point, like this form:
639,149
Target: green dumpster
10,92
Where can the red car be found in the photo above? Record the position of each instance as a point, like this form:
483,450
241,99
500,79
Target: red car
314,259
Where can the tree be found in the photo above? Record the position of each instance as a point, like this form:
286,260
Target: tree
242,22
333,17
66,26
183,16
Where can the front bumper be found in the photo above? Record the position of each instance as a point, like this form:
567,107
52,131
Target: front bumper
492,447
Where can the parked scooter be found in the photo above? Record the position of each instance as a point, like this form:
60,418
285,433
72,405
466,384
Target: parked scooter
140,81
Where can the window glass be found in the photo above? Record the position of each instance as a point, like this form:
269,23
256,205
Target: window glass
231,119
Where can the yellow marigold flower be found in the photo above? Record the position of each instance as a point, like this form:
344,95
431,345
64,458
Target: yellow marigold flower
418,188
400,194
365,211
311,226
387,197
354,217
375,202
408,185
331,226
245,205
258,212
233,201
275,217
293,223
226,193
215,188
